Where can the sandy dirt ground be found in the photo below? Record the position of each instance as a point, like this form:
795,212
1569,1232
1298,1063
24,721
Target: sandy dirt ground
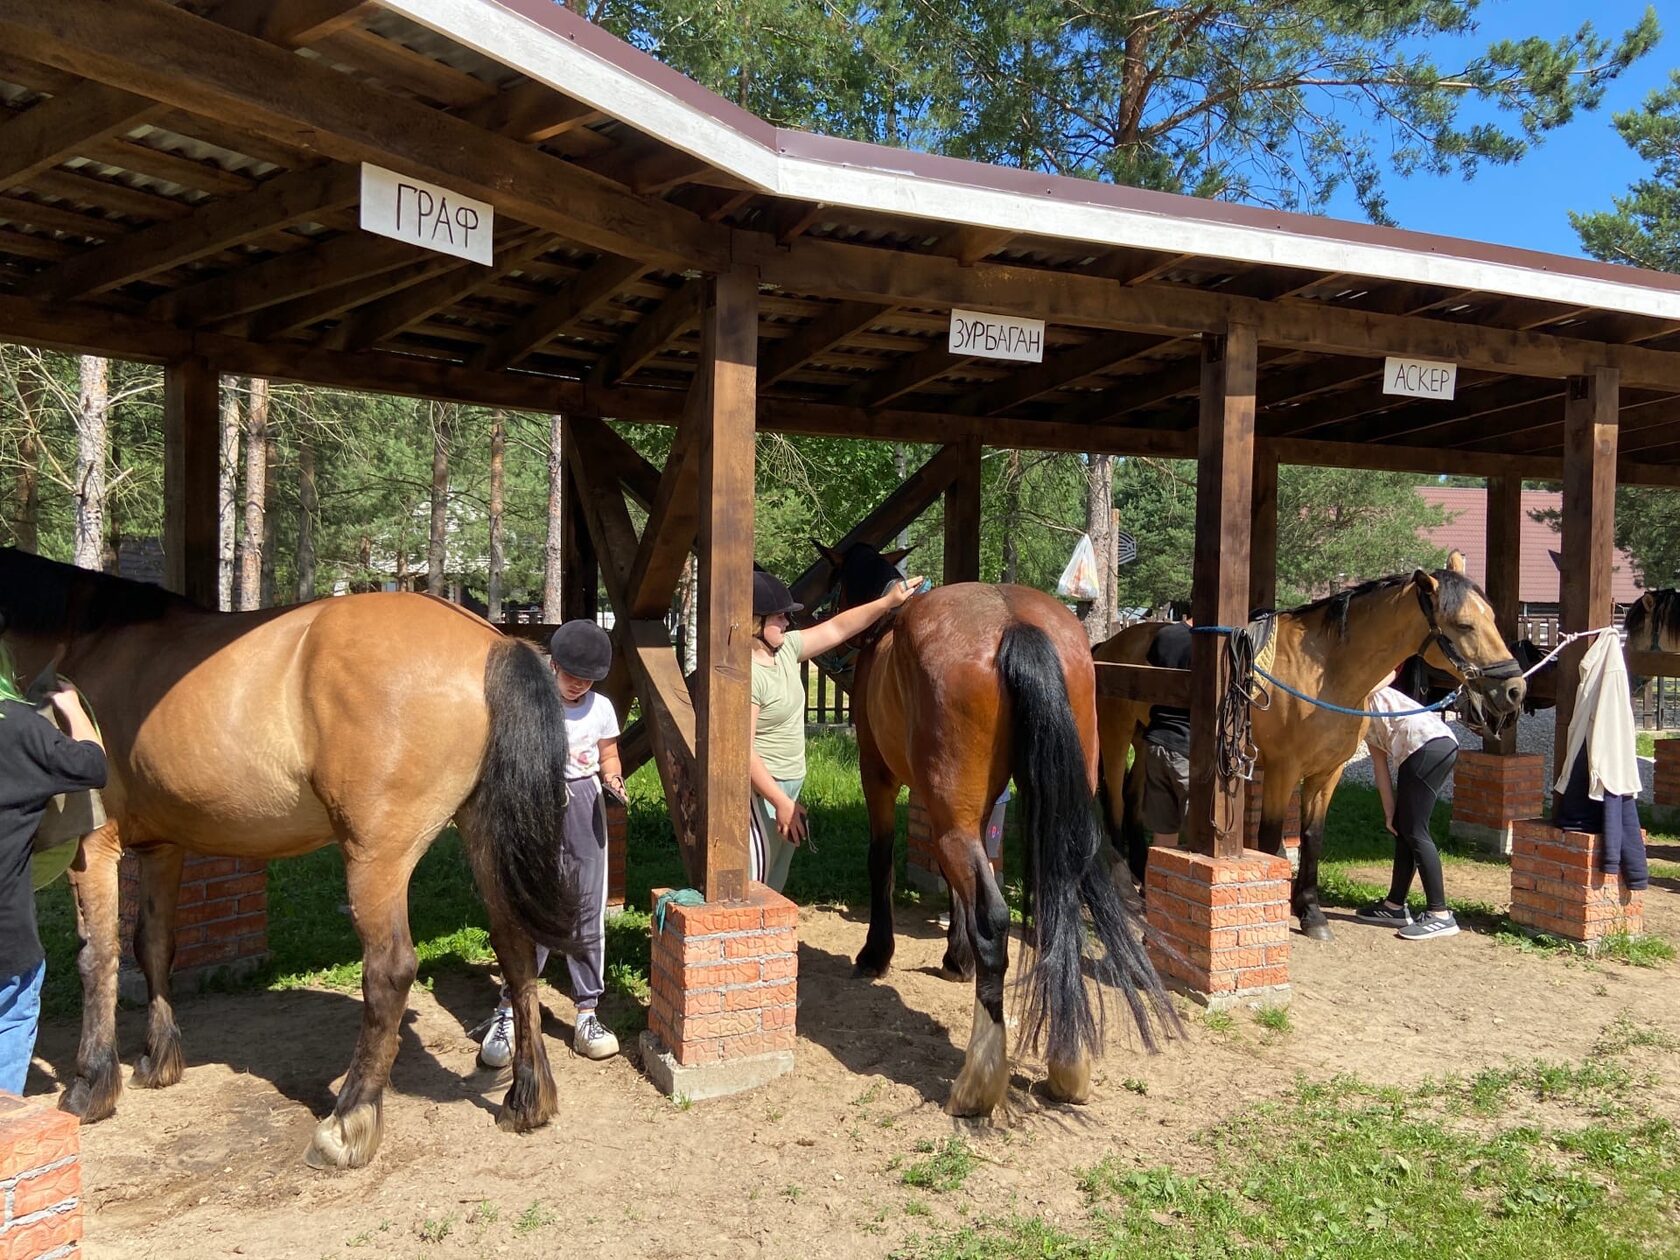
808,1166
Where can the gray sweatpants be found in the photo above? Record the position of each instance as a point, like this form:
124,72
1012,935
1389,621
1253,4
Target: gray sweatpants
584,835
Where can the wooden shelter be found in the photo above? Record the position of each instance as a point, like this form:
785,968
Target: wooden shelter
179,183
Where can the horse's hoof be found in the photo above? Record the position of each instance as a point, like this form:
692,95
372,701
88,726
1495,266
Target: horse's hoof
1317,931
160,1069
531,1100
93,1096
1070,1082
956,974
347,1140
869,967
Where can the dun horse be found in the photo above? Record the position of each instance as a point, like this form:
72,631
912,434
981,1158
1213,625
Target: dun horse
1337,649
966,686
368,721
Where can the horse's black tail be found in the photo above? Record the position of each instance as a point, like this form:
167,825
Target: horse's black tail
1065,866
514,815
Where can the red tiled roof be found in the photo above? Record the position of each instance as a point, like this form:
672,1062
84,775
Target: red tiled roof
1466,529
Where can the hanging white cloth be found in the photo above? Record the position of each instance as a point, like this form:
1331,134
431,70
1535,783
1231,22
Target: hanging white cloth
1603,723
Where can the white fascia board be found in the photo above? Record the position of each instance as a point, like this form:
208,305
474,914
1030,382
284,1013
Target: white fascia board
535,51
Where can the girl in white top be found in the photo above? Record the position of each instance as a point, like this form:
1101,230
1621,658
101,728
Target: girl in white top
1422,746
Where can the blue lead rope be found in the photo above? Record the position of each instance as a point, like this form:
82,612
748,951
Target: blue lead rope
1325,704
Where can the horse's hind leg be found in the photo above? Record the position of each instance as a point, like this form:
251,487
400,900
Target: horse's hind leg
154,948
531,1099
378,887
93,876
983,1083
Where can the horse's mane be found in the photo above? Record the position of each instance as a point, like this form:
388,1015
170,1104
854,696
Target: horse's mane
1664,620
42,596
1454,589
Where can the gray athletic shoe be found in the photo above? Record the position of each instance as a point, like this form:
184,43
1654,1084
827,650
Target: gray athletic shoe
592,1039
1384,915
1429,927
496,1050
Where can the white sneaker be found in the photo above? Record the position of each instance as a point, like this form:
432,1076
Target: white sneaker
592,1039
496,1051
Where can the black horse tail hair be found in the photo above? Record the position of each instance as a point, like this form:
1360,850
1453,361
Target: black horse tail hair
1066,868
514,815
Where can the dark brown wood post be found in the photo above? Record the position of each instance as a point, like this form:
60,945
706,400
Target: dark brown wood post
191,485
1589,519
729,358
1262,556
580,589
1502,580
962,515
1219,596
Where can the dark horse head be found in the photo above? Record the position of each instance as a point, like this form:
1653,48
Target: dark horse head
861,573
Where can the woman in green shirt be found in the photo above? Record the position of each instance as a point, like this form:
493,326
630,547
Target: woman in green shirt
778,713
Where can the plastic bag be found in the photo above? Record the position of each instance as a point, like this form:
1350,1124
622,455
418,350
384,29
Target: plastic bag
1080,580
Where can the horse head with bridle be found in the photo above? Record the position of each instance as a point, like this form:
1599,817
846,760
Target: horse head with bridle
1334,650
965,687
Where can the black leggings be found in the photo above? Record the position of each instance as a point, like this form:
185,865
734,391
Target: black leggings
1421,778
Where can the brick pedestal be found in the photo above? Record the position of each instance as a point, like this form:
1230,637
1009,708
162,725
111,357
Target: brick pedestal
725,984
1252,800
1665,785
1558,886
41,1181
1491,792
922,865
1219,927
221,922
618,831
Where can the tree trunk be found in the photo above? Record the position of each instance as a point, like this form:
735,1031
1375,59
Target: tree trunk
437,549
92,440
498,442
27,530
554,544
267,595
1099,524
1011,515
227,495
256,495
687,588
901,465
308,504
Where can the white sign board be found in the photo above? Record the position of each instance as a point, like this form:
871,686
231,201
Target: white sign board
1419,378
982,336
426,215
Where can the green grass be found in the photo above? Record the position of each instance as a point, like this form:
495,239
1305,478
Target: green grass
1541,1159
1273,1019
946,1166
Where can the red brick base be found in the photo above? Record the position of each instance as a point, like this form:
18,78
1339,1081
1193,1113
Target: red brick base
618,830
725,978
1219,927
1557,886
1491,792
1665,785
221,919
922,866
1252,801
41,1181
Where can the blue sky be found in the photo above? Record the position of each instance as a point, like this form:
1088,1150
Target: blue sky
1578,167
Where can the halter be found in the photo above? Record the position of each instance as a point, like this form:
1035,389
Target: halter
841,662
1507,668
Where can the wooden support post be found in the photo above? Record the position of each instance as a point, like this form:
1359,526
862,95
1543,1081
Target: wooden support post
1219,597
580,586
1502,580
191,455
1589,517
962,515
729,361
1263,517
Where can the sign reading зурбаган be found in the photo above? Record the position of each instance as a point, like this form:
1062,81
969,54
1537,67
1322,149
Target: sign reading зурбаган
983,336
1419,378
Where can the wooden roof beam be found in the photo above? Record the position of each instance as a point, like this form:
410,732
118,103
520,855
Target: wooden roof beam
968,245
657,329
59,128
293,23
1056,372
834,325
905,376
350,256
592,289
531,112
332,300
162,52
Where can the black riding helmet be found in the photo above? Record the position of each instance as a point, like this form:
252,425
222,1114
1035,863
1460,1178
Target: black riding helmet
582,649
771,596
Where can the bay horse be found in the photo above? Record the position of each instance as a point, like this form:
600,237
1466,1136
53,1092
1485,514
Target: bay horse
962,688
369,721
1652,624
1336,649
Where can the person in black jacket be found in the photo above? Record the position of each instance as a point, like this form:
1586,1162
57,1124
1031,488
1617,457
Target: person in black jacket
37,762
1166,744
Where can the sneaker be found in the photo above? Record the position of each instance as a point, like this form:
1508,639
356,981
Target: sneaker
1429,927
496,1051
1384,915
592,1039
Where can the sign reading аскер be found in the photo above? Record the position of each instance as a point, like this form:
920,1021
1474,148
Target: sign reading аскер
426,215
1419,378
983,336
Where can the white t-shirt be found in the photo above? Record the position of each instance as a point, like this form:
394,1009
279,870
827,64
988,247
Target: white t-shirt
1400,737
588,722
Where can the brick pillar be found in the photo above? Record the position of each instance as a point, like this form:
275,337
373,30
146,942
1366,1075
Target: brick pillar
922,865
724,980
41,1179
618,830
1558,886
1219,927
221,922
1665,786
1291,820
1491,791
